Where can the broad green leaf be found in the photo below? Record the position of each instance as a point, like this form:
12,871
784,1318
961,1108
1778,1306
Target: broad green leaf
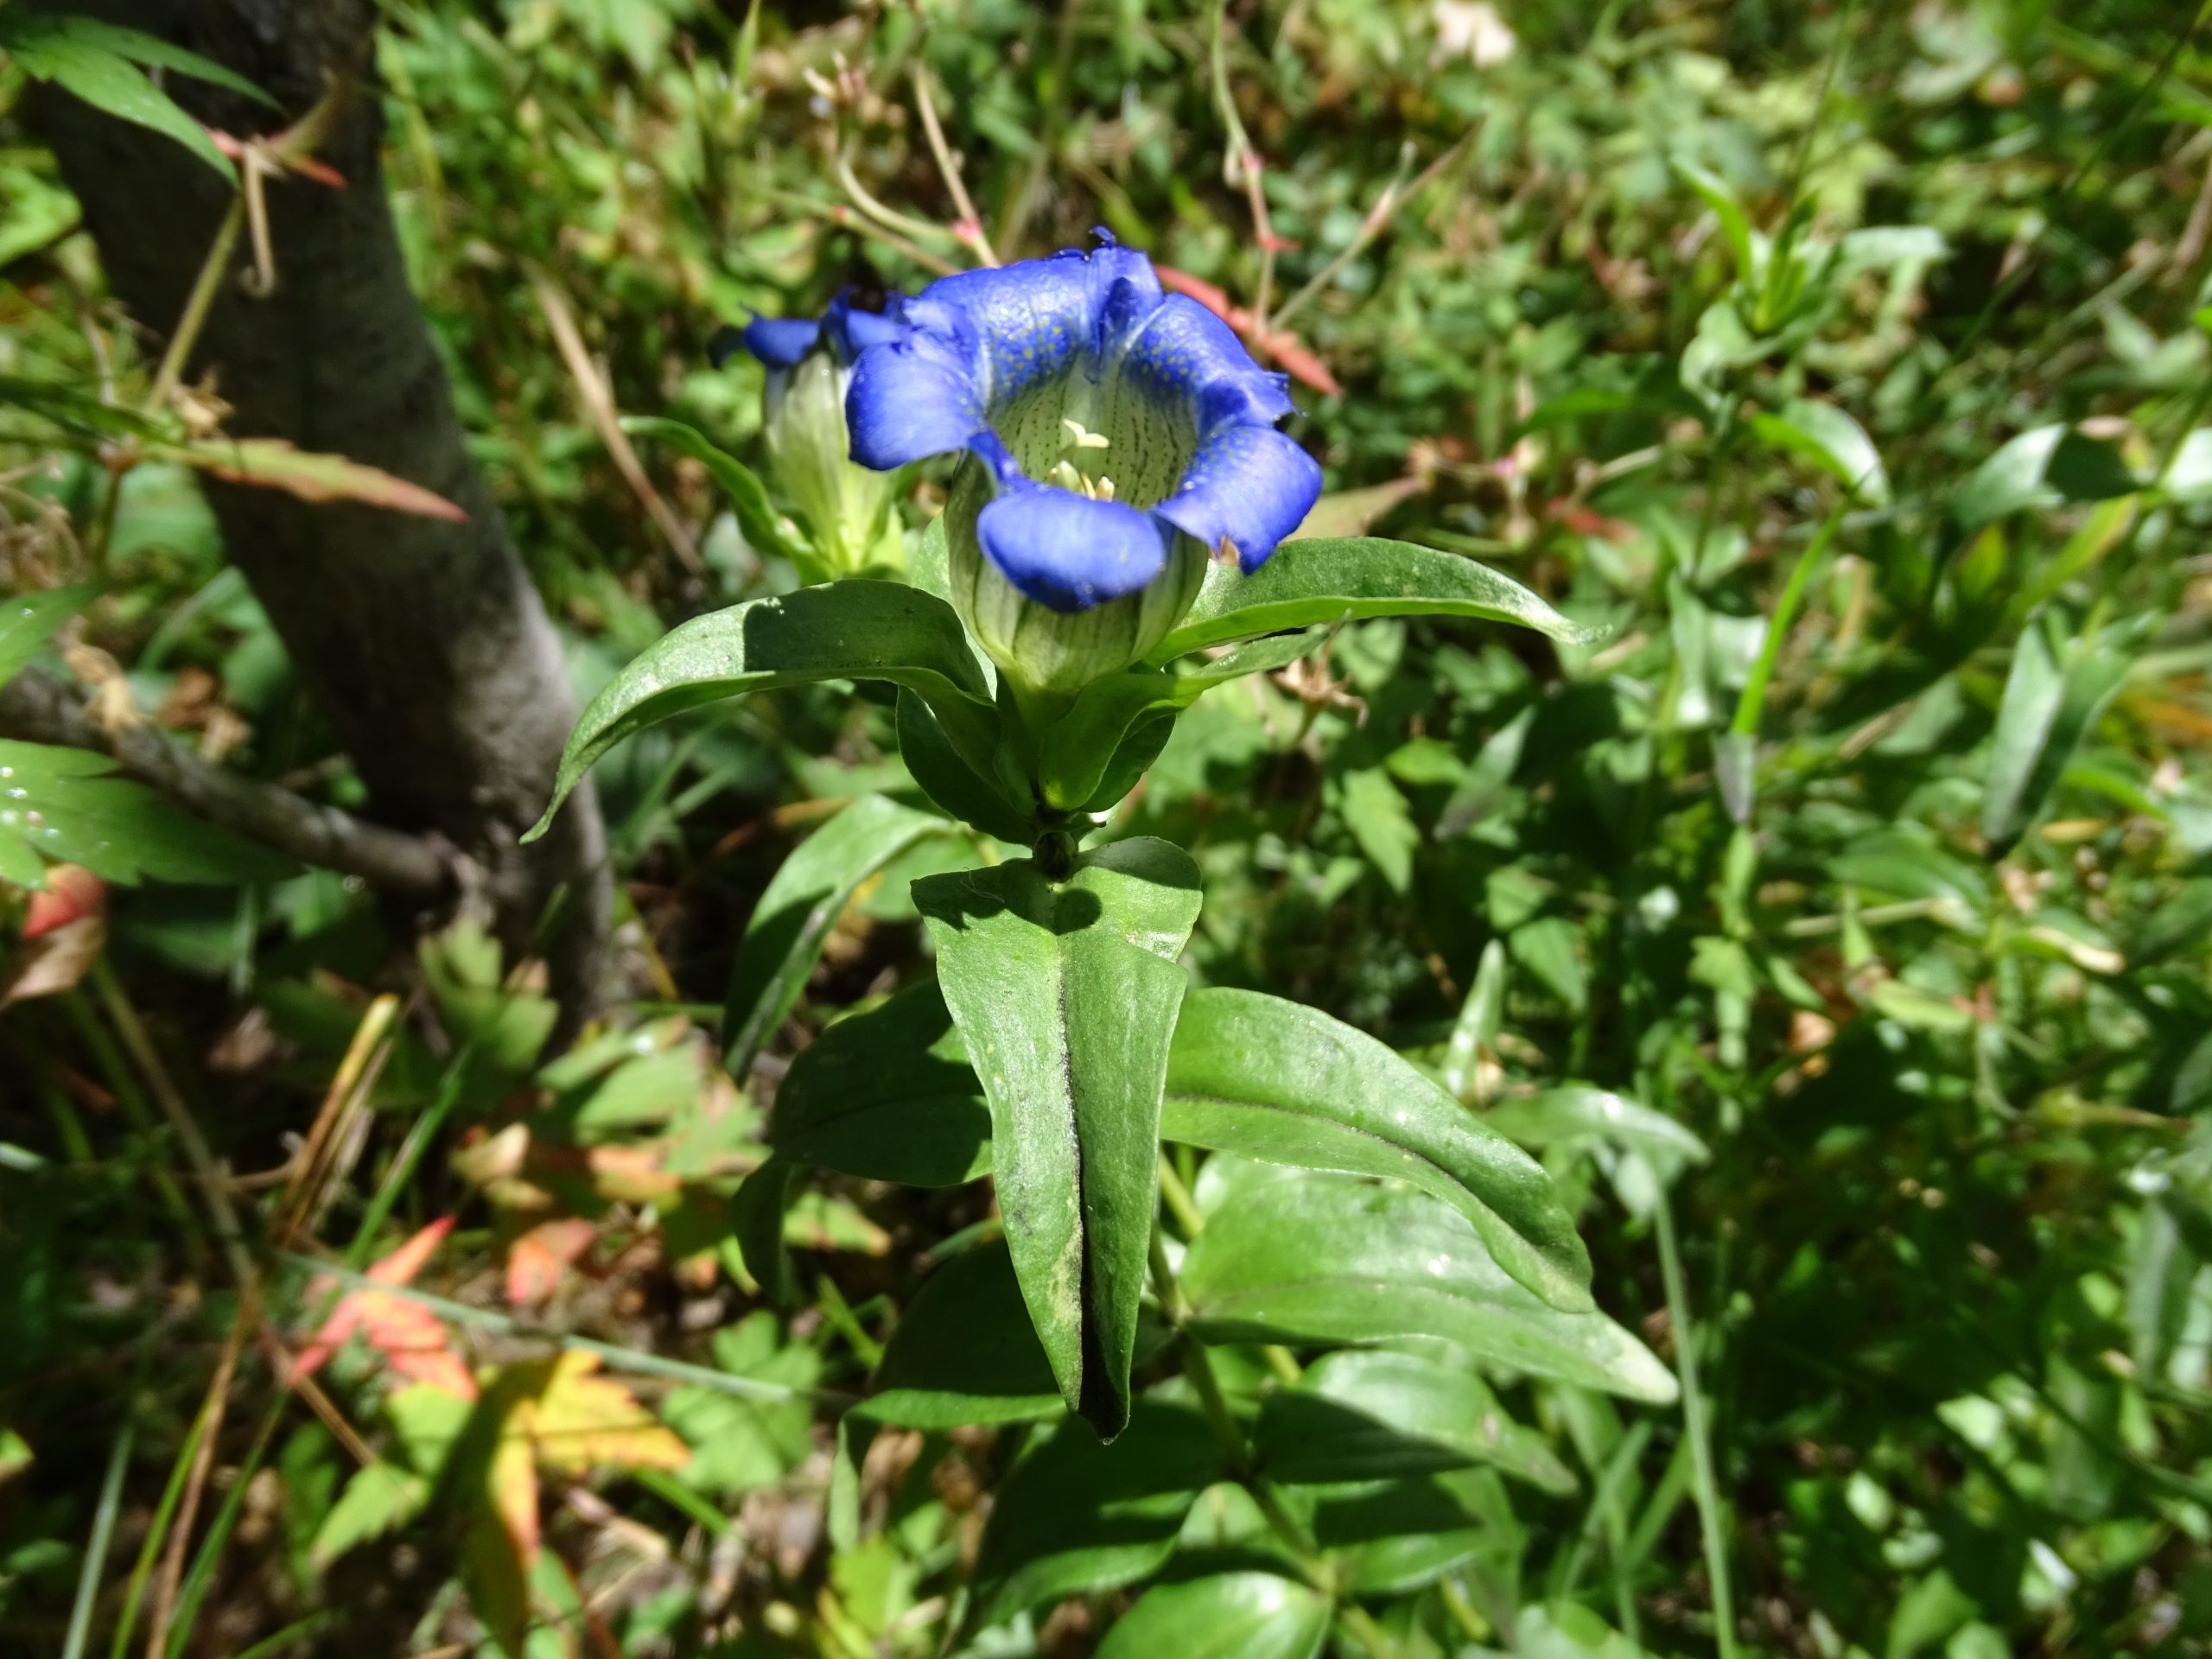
1233,1615
28,622
1076,1515
59,806
1831,439
2054,694
1262,1077
854,630
886,1096
83,61
1324,1259
1066,994
964,1352
1079,749
937,768
802,902
1575,1113
1375,1413
1885,247
2041,469
1312,584
764,527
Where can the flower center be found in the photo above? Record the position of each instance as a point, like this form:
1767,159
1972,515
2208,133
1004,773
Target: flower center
1100,435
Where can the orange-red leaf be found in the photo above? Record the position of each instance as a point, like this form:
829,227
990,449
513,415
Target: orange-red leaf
276,464
413,1340
1298,359
72,892
536,1260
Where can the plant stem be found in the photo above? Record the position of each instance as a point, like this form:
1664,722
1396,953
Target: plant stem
88,1576
196,308
1698,1429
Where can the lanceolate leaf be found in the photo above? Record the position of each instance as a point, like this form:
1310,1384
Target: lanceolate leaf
273,463
886,1096
1078,748
1266,1078
1066,994
763,525
1576,1113
1075,1516
92,61
953,784
964,1352
1230,1616
1376,1414
2055,692
783,941
1308,583
846,630
1321,1258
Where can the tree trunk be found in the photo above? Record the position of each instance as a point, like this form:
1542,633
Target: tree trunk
423,643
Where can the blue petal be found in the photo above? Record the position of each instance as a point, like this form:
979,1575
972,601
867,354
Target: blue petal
1028,322
911,397
1249,485
1068,552
852,331
1183,349
780,342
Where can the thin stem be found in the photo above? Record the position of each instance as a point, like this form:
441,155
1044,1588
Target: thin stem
1698,1429
969,227
196,308
1180,1204
1394,195
88,1576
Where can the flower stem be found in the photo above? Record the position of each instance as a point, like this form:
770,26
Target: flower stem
1698,1429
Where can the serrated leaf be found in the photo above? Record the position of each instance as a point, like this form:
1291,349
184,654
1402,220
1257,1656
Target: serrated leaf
1262,1078
857,629
1065,993
29,621
61,805
1230,1616
783,941
377,1500
1324,1259
1079,749
1318,583
82,60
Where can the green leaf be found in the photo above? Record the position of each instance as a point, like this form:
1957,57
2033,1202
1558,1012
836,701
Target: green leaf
379,1499
2041,469
802,902
1079,749
1262,1077
1832,440
886,1096
764,527
1577,1113
741,1444
83,58
1382,822
1735,224
964,1352
1311,583
1233,1615
857,629
2054,695
28,622
1477,1027
1324,1259
60,805
1066,994
757,1226
939,770
1375,1413
1076,1515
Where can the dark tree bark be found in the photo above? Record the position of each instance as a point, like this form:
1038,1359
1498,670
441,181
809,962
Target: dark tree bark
423,643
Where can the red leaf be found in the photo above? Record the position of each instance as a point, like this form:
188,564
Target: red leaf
276,464
412,1339
72,892
1297,358
536,1260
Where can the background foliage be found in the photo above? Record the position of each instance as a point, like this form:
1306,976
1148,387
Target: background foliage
1848,364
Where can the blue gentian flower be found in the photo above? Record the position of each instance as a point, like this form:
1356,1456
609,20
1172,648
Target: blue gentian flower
1120,435
847,508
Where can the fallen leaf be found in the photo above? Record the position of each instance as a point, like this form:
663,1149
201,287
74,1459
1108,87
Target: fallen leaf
413,1340
536,1260
55,961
